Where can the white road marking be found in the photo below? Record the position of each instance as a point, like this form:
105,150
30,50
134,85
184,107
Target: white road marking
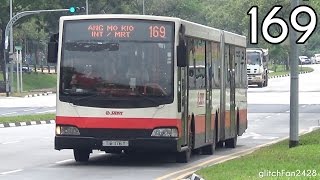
64,161
12,124
29,109
46,111
10,142
256,136
268,117
9,113
9,172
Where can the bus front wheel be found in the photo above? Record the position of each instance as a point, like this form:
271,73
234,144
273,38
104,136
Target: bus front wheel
184,156
81,155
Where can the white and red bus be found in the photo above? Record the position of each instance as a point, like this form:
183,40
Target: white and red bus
147,83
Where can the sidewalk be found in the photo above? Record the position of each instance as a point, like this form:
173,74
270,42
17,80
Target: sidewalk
34,93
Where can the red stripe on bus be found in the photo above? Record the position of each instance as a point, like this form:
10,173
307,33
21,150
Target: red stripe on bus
200,124
118,123
243,116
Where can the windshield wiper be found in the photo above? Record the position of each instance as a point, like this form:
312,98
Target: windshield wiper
149,99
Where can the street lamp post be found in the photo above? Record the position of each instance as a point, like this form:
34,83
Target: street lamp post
143,7
87,7
294,86
9,28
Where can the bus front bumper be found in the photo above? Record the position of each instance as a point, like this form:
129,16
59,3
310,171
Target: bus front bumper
254,79
138,144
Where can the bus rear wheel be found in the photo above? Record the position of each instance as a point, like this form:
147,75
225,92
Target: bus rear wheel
81,155
231,143
208,149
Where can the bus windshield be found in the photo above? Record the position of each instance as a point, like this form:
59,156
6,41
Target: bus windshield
117,63
253,58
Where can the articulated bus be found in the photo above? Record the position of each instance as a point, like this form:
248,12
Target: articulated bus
130,83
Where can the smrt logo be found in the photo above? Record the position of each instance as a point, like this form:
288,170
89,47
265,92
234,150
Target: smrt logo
114,113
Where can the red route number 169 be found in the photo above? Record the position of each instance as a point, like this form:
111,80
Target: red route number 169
270,19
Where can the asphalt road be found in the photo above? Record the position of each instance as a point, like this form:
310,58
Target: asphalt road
27,152
14,106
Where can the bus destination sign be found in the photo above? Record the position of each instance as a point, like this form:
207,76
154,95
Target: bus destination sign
124,31
139,30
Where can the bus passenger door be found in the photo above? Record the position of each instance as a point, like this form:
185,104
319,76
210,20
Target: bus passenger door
232,91
208,83
183,105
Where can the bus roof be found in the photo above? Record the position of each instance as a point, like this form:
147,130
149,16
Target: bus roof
192,29
119,16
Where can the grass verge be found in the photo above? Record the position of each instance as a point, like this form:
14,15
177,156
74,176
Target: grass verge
27,118
282,71
33,81
300,162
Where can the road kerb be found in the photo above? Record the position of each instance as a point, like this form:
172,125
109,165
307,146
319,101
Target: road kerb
17,124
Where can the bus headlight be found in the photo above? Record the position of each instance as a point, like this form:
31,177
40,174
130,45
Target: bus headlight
165,132
67,130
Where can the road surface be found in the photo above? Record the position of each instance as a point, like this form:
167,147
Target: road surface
27,152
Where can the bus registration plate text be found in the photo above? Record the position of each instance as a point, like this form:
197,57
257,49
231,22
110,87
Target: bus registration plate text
115,143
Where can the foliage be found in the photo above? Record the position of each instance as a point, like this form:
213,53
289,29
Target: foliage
27,118
231,15
33,81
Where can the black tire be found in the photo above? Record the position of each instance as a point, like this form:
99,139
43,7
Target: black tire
266,82
260,84
184,156
219,144
209,149
231,143
81,155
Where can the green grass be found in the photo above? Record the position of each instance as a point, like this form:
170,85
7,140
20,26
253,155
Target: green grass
34,81
280,70
277,157
27,118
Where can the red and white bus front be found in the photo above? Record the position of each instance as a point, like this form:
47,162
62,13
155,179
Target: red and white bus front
116,86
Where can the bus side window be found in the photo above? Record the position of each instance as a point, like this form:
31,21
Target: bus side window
191,78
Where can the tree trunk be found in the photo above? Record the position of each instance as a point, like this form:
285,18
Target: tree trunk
287,63
36,53
2,63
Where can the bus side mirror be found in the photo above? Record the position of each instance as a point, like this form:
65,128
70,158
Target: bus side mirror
182,54
52,52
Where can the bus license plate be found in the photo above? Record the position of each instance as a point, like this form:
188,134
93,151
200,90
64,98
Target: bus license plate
115,143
